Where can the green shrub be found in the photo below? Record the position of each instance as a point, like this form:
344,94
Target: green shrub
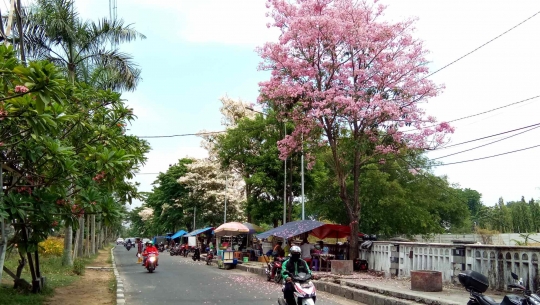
79,266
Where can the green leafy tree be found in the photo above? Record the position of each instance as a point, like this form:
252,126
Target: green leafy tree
87,51
397,200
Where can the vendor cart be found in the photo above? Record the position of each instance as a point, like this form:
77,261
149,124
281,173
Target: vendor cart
226,258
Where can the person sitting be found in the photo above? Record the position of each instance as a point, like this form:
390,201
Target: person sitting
150,249
306,248
292,266
278,251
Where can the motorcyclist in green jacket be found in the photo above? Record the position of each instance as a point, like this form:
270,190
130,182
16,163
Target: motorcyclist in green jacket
294,265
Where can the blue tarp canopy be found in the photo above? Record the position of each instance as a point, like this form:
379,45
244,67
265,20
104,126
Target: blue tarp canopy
161,238
199,231
178,234
291,229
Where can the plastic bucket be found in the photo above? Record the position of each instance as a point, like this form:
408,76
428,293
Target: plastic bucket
245,259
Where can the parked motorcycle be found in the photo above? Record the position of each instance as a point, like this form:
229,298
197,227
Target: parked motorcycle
477,283
151,262
305,292
161,247
174,251
273,270
209,257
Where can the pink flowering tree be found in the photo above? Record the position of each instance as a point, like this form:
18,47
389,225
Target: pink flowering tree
351,82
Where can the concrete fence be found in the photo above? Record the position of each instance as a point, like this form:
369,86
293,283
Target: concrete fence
504,239
494,261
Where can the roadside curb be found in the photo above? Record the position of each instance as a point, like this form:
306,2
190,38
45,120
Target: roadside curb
359,294
120,299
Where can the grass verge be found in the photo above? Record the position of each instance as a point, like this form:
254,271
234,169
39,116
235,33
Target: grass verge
51,268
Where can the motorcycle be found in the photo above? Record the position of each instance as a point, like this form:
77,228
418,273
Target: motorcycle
273,270
196,255
477,283
305,292
151,262
128,246
161,247
209,257
174,251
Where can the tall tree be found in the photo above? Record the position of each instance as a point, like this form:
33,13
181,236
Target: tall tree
87,50
349,81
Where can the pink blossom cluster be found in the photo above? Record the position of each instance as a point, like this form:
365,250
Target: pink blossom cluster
24,189
99,177
77,210
21,89
340,70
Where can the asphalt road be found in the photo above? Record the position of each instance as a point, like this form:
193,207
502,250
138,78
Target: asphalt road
179,280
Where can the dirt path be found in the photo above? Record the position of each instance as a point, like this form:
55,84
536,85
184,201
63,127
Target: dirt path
91,289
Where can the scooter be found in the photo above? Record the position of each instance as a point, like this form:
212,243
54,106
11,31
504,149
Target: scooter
477,283
151,262
161,247
273,268
305,292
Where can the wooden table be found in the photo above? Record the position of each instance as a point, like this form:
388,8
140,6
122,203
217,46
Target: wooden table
322,257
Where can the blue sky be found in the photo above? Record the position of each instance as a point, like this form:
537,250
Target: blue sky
200,50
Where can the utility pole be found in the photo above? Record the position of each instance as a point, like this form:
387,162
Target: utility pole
194,215
285,180
302,161
225,212
10,20
112,9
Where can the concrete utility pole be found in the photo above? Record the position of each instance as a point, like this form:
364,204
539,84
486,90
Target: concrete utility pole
302,161
194,215
284,180
225,212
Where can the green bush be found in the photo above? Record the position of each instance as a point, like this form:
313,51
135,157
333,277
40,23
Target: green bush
79,266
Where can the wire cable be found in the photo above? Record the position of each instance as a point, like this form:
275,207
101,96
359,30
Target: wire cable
487,137
459,152
483,158
490,41
480,113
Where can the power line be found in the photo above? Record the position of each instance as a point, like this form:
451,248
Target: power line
455,120
182,135
453,62
459,152
480,113
482,158
490,136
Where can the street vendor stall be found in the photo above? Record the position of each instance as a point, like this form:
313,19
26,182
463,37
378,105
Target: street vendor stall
228,258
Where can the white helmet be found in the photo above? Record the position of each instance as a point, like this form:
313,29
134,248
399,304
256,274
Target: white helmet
295,249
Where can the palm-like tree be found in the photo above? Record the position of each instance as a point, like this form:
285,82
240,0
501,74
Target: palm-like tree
88,51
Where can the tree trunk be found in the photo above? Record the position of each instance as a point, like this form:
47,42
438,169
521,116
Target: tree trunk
76,245
93,236
100,244
3,240
87,250
68,242
21,32
80,247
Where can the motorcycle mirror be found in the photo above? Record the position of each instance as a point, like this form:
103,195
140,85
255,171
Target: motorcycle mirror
514,276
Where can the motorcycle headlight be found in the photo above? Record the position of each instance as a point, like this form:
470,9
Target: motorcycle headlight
152,259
